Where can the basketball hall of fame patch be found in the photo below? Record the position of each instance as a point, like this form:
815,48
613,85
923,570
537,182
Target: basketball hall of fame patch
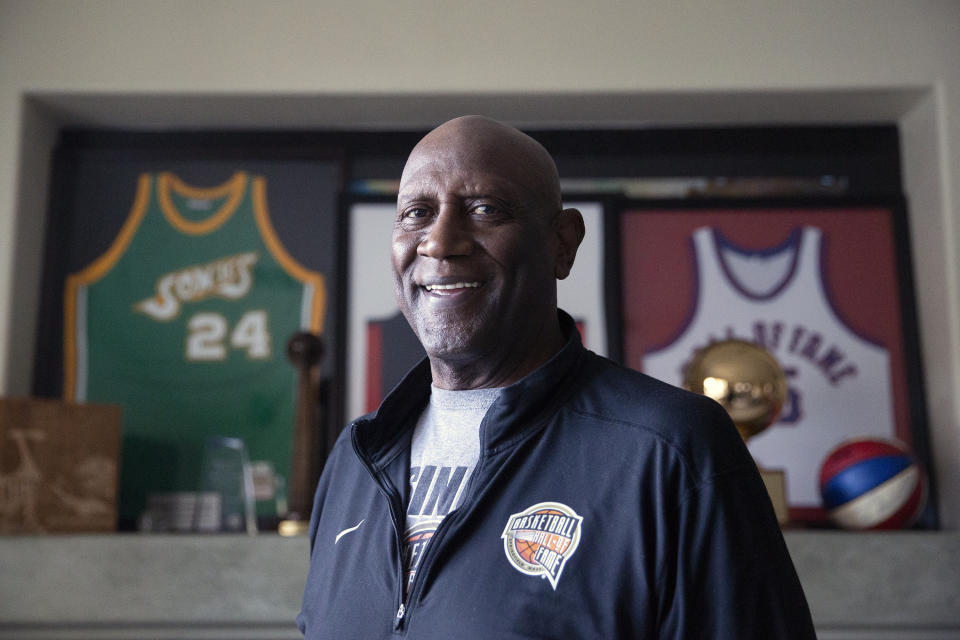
541,539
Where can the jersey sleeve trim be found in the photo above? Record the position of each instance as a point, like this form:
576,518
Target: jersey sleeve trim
315,280
92,273
233,189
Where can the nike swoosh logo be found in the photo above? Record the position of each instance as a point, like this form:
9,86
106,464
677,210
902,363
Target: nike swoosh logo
348,530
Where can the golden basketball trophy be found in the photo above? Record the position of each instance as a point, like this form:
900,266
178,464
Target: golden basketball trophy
305,351
750,384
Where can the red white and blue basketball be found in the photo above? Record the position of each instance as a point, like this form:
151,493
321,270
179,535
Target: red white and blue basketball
870,483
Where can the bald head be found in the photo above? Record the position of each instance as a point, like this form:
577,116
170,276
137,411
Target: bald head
481,141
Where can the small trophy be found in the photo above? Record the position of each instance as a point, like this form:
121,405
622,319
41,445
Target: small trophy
750,384
225,473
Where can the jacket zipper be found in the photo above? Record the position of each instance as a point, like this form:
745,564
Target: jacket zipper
393,500
402,616
425,564
448,521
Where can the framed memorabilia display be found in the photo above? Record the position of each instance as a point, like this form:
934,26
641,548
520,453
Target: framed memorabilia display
380,347
175,277
177,264
825,286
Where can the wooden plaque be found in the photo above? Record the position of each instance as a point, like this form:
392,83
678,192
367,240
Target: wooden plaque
58,466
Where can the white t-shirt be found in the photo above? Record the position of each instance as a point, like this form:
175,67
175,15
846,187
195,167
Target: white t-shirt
443,453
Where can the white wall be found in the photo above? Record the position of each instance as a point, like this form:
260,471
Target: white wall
357,63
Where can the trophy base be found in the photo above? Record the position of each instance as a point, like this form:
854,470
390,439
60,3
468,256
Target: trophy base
292,528
776,483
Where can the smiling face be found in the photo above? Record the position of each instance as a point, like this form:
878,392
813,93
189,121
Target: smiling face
477,250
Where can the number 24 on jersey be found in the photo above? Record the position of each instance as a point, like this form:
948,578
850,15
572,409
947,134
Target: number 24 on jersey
207,336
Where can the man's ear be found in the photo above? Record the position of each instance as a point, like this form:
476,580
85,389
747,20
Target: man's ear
570,231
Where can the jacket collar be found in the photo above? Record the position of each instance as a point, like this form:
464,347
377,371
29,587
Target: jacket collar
521,407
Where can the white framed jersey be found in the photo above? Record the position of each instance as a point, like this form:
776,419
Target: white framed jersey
184,322
839,382
819,284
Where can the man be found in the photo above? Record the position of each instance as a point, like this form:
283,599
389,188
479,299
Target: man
516,485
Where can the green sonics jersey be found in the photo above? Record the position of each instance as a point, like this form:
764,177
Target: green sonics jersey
184,323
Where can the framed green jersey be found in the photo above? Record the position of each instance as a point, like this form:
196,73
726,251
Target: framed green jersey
178,305
183,322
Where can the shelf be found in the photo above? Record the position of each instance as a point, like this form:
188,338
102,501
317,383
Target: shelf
903,585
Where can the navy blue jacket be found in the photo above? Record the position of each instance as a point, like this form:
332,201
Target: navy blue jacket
605,504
